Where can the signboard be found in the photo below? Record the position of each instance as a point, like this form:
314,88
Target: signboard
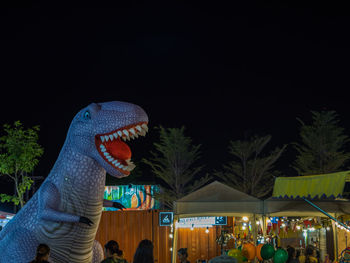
133,197
205,221
165,218
221,220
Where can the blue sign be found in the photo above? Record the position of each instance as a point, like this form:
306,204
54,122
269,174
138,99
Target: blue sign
221,220
165,218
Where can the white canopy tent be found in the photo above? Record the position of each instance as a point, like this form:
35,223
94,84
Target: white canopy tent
215,199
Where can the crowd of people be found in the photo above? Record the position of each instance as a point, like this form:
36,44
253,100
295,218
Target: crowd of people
311,255
143,253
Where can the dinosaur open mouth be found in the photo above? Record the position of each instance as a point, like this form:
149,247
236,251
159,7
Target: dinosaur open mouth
115,151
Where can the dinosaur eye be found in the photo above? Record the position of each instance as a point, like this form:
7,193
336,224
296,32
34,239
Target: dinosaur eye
87,115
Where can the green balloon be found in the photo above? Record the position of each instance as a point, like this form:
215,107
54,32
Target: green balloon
237,254
267,251
280,256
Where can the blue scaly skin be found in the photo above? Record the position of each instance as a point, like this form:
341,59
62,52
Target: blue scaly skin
65,211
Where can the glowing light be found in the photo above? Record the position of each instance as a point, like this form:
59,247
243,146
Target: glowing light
257,222
298,227
305,233
328,228
244,227
171,235
244,218
207,230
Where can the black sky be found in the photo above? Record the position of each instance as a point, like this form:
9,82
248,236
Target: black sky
222,69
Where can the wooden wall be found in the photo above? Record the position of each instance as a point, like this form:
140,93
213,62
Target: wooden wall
130,227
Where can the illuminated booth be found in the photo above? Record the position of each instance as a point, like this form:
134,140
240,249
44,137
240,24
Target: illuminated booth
314,209
216,201
303,210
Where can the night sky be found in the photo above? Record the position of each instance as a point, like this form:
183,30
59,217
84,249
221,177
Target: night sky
224,71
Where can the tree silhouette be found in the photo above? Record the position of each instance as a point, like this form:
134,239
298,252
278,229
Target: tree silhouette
174,163
323,144
250,171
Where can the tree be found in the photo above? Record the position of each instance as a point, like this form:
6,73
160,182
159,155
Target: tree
250,171
322,145
173,163
19,154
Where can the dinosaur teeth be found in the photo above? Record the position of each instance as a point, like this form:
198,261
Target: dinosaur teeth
125,134
145,127
138,127
131,130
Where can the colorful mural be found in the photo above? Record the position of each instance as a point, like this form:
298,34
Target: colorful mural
133,197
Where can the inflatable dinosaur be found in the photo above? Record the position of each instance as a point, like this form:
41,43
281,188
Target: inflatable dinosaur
65,211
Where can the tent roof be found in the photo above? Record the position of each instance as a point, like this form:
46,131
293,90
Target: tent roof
323,186
217,192
217,199
299,207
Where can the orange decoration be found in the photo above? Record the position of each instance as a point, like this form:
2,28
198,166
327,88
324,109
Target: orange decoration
258,250
248,251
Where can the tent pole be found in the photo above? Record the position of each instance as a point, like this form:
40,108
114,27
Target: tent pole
331,217
255,234
174,252
263,226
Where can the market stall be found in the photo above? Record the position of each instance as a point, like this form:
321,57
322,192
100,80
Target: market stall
216,199
317,205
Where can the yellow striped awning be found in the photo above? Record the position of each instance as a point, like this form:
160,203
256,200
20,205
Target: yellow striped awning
311,186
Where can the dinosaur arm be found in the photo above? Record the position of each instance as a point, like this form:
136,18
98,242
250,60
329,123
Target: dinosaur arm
49,201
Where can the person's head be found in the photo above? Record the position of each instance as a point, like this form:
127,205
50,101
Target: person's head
144,252
111,248
309,251
291,253
182,254
42,253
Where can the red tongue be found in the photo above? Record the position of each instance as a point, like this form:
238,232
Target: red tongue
119,150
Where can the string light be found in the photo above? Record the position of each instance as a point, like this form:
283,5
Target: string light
207,230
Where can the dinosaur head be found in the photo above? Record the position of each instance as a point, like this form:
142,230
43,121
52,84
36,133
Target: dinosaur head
101,131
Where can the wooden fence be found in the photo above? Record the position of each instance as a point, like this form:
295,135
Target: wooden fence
130,227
